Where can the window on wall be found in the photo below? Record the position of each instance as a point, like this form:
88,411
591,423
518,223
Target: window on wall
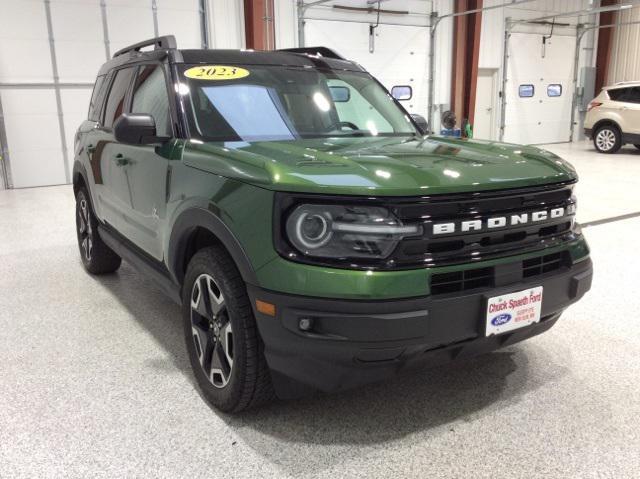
150,97
526,91
402,92
115,103
554,89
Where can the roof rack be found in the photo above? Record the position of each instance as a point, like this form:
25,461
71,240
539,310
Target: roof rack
161,43
321,51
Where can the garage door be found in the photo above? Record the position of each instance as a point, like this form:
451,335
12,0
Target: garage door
399,55
539,89
39,119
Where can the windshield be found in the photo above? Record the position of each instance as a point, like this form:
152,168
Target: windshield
268,103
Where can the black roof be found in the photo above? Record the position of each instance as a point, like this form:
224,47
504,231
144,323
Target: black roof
165,47
276,57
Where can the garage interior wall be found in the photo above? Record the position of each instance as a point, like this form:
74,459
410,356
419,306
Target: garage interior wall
624,63
492,51
45,98
400,44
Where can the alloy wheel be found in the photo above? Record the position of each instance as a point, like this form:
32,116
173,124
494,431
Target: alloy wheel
84,228
212,332
605,139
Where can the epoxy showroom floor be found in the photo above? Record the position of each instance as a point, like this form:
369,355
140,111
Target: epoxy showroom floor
94,379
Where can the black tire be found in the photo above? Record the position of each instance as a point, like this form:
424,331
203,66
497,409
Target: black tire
607,139
97,257
224,347
637,145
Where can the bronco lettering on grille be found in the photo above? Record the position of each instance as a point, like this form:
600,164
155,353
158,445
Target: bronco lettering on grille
497,222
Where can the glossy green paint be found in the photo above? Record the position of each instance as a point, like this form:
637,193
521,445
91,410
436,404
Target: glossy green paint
392,166
284,276
404,166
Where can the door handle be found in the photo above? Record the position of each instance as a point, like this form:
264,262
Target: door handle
121,160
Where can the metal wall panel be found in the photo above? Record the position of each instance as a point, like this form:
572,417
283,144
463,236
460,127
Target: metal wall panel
625,55
79,39
42,110
31,121
182,19
24,42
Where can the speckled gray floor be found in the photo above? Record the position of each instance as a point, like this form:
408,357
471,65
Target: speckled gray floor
94,380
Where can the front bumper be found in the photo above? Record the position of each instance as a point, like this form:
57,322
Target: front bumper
354,342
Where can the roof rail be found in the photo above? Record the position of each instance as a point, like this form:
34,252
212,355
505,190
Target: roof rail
161,43
321,51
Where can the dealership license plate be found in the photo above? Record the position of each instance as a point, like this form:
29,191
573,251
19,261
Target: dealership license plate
513,310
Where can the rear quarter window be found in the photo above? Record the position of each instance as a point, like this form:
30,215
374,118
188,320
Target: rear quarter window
618,94
96,99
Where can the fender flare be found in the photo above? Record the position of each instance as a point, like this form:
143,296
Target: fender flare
198,217
79,171
605,121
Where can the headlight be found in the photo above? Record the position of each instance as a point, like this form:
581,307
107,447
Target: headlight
333,231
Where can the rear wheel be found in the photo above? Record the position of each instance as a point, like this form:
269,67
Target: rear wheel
225,350
97,257
607,139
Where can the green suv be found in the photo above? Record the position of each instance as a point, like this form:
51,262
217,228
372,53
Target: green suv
314,236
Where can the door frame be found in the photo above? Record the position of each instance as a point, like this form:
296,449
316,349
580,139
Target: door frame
494,100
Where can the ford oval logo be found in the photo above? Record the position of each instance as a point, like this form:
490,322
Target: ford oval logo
501,319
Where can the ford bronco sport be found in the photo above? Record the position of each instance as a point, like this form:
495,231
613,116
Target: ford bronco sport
315,237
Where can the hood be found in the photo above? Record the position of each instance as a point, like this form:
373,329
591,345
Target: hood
380,166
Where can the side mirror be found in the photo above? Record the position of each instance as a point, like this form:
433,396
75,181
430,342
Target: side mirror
421,123
136,129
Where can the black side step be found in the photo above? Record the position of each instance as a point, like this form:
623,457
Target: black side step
147,266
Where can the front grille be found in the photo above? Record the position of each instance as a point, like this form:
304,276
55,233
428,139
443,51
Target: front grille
461,247
544,264
458,281
478,278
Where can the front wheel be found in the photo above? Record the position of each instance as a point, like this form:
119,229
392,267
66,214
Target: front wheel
223,344
607,139
97,257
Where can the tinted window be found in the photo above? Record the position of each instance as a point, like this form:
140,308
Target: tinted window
526,91
96,99
150,96
115,103
275,104
634,96
619,94
555,89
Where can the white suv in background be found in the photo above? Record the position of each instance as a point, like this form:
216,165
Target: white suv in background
613,117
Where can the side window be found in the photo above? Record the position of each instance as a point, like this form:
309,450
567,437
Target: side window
115,103
634,96
96,99
358,110
554,89
526,91
618,94
150,97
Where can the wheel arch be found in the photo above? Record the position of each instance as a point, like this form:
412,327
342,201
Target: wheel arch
196,228
606,122
79,177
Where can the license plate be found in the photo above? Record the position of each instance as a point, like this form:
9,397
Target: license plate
513,310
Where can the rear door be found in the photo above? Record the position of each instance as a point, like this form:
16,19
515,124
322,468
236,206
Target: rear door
631,112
